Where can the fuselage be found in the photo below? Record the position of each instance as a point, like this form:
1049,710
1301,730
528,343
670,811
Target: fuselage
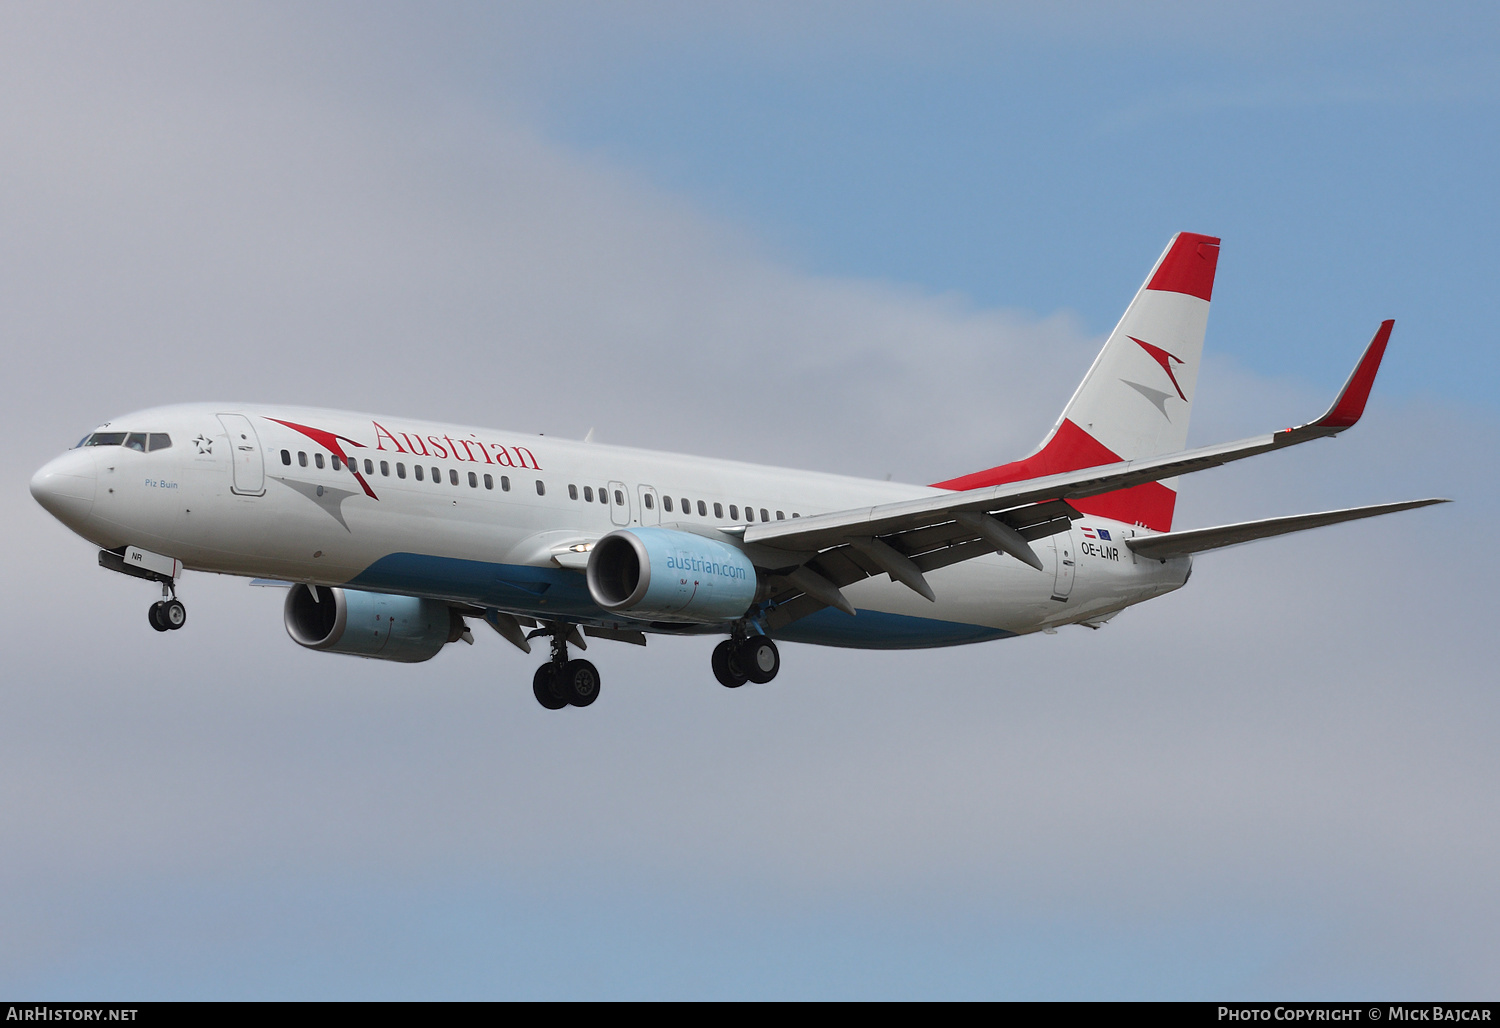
502,520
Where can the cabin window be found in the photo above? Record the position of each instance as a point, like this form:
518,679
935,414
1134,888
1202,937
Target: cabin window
588,494
318,460
572,491
489,481
666,503
417,470
336,465
437,476
687,505
702,509
795,514
286,457
105,439
603,495
301,458
160,441
400,469
473,480
763,515
734,512
505,483
648,501
718,510
780,516
541,487
385,468
619,498
453,476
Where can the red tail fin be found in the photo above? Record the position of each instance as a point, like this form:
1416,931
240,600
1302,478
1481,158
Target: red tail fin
1135,400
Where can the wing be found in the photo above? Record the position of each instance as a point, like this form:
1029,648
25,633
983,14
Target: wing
811,559
1177,544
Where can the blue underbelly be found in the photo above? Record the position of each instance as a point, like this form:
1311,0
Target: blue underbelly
556,593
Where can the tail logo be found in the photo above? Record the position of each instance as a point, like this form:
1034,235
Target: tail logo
1157,397
1163,358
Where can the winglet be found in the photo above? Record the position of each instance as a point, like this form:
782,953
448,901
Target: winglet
1346,410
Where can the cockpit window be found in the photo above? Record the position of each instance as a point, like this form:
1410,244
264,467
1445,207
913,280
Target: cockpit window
138,441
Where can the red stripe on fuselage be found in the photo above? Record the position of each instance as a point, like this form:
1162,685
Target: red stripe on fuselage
1073,449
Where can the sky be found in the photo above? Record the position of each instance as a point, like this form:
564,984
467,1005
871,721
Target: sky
877,239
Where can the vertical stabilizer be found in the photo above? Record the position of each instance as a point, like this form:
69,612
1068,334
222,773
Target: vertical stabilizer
1136,398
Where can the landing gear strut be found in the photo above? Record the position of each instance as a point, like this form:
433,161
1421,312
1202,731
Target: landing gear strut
751,658
561,682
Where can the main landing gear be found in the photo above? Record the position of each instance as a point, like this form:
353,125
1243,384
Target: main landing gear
167,614
751,658
562,682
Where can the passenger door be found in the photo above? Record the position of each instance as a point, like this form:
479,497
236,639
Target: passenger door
245,453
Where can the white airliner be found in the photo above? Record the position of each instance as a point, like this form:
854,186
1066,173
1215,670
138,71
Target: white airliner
391,533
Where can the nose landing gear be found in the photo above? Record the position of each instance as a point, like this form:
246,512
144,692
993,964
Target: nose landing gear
167,615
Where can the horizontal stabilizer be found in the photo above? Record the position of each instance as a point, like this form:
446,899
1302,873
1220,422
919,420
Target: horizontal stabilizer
1178,544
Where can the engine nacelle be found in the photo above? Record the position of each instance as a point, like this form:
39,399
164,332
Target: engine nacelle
404,628
664,575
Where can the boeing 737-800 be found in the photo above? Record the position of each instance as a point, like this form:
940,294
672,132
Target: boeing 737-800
392,534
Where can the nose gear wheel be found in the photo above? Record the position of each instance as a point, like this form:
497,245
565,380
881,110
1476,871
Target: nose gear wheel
167,615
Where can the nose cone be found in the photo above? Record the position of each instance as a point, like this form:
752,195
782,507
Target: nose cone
65,487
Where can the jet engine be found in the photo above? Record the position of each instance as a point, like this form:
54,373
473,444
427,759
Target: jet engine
404,628
660,574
